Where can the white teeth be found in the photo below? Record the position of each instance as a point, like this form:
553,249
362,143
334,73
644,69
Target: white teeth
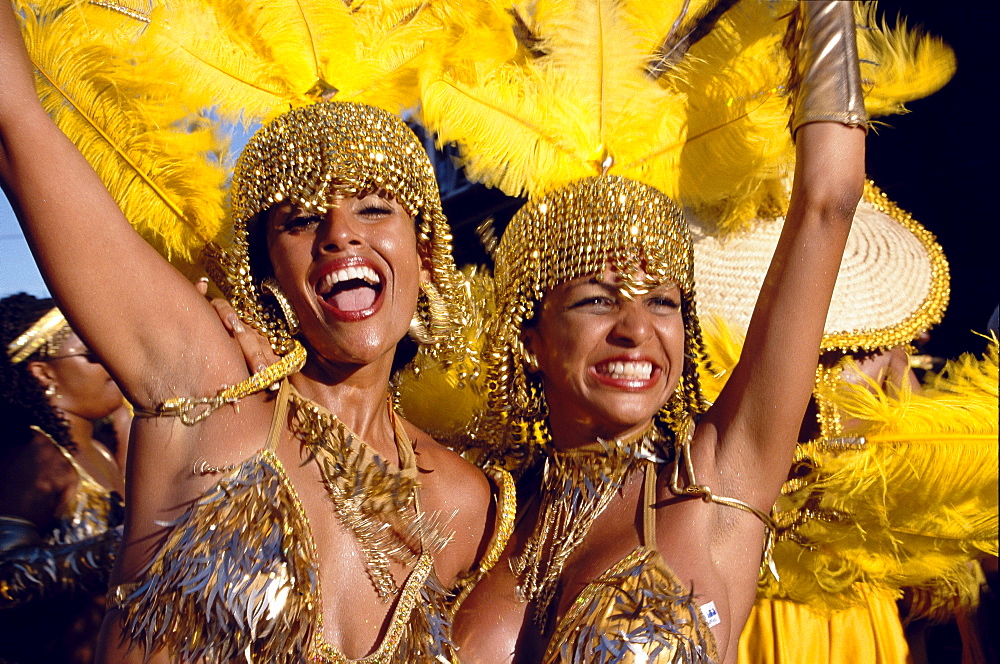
346,274
629,370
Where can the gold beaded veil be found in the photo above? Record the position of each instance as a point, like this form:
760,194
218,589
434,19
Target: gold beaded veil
572,231
311,155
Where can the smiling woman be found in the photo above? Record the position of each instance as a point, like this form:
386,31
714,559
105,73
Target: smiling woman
243,504
646,520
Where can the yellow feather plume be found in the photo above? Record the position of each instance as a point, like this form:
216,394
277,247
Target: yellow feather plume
251,61
734,79
159,165
899,64
426,383
911,506
739,151
582,108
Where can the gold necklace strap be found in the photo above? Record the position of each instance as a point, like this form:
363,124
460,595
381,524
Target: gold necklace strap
191,410
703,491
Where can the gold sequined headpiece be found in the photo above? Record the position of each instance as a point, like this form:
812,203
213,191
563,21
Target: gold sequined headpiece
44,337
311,156
570,232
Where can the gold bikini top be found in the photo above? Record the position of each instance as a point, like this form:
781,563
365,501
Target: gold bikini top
237,577
636,612
89,511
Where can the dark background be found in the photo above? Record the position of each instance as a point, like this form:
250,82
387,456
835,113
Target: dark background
940,163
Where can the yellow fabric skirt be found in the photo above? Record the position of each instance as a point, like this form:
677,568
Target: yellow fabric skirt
785,632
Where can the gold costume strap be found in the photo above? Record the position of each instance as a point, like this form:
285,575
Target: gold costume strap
648,500
192,410
47,330
703,491
506,513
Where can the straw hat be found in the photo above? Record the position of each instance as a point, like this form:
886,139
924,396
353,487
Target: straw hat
893,283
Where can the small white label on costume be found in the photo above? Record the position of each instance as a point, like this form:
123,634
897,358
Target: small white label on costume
711,615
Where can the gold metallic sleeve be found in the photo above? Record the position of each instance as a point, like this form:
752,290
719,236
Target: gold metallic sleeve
826,79
31,569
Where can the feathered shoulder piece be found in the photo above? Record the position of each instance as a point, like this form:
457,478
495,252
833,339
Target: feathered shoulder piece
908,499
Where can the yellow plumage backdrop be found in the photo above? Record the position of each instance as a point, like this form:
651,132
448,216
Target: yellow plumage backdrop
909,499
160,164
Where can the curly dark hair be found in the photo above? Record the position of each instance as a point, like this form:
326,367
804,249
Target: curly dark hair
22,398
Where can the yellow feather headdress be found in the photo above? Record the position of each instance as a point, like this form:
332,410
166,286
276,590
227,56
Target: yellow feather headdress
142,91
687,96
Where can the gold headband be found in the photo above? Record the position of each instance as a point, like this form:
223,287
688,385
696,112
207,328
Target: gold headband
45,336
312,155
574,231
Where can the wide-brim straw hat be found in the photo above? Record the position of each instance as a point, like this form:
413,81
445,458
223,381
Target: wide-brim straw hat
893,283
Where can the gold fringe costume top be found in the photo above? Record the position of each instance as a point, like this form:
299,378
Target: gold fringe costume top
89,512
76,553
636,612
219,591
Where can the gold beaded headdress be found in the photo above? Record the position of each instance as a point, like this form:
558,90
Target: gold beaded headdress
44,337
574,231
309,157
580,122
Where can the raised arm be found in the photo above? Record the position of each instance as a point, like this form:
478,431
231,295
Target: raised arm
156,335
758,415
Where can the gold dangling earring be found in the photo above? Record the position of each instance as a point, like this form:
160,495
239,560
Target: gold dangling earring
51,392
437,324
271,285
530,361
418,331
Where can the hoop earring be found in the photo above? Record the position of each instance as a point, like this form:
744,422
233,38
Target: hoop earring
530,361
431,322
271,285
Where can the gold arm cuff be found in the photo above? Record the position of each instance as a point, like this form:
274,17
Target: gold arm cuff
825,71
192,410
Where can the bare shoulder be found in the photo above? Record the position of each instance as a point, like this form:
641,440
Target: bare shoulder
459,492
447,473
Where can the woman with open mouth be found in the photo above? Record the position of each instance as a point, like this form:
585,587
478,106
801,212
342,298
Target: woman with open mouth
310,524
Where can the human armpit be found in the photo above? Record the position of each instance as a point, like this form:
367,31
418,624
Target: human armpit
760,410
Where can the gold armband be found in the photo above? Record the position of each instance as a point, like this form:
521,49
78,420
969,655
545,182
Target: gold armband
826,79
192,410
